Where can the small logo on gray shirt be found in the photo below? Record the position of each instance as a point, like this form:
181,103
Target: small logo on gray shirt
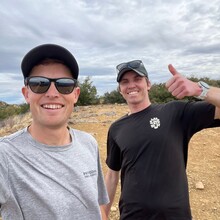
90,173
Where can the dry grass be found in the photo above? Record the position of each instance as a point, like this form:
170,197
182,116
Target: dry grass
203,163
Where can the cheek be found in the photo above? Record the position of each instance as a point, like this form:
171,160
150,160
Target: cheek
122,89
32,98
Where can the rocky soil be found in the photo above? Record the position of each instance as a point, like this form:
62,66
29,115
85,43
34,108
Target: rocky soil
203,163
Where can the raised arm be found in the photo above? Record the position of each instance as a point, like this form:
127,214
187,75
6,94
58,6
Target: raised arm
179,86
213,96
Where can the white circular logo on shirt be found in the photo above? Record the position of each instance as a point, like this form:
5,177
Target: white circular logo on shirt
155,123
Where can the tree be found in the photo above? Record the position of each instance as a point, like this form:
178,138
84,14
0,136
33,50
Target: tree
88,93
112,98
159,94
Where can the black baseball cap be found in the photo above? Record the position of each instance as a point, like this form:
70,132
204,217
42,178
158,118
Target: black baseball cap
134,65
50,51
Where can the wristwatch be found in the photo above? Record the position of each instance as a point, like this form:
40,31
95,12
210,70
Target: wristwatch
205,88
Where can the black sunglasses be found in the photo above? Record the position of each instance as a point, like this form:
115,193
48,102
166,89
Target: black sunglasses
40,84
134,64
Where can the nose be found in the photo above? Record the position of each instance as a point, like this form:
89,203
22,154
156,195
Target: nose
52,91
131,84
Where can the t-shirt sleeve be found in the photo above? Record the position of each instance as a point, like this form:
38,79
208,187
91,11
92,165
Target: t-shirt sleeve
4,186
199,115
102,192
113,159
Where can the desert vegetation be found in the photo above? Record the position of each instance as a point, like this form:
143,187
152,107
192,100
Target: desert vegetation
95,114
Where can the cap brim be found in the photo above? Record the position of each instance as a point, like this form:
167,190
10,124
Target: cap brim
50,51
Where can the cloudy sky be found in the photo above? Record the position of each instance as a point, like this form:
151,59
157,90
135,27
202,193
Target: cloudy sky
104,33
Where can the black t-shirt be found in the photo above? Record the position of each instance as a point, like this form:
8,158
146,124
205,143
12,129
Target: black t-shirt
150,148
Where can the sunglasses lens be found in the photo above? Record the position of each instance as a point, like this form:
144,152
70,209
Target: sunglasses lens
132,64
121,66
39,84
65,86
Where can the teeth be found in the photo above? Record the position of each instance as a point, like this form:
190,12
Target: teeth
52,106
131,93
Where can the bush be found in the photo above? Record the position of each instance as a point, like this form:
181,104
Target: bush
112,97
88,93
10,110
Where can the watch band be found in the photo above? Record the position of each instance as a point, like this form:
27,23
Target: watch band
205,88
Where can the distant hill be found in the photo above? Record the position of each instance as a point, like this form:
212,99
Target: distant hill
4,104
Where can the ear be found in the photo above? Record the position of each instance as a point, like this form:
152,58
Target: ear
119,89
148,85
25,93
76,94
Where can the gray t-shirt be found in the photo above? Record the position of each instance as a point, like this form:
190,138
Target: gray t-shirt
50,182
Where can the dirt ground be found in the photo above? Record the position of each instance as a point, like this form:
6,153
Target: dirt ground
203,162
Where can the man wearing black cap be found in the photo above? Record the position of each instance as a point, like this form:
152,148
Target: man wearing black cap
49,170
149,145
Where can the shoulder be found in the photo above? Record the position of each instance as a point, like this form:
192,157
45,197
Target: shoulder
13,136
175,104
7,142
82,133
192,104
179,105
83,136
120,120
85,142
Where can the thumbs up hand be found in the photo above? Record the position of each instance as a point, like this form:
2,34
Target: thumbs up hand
179,86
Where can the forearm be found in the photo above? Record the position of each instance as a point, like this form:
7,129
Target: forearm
111,192
103,212
213,96
111,181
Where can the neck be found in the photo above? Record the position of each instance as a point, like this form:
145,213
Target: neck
50,136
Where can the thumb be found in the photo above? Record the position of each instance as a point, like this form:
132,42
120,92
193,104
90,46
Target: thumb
172,70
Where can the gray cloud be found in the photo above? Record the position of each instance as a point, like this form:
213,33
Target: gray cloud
102,34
